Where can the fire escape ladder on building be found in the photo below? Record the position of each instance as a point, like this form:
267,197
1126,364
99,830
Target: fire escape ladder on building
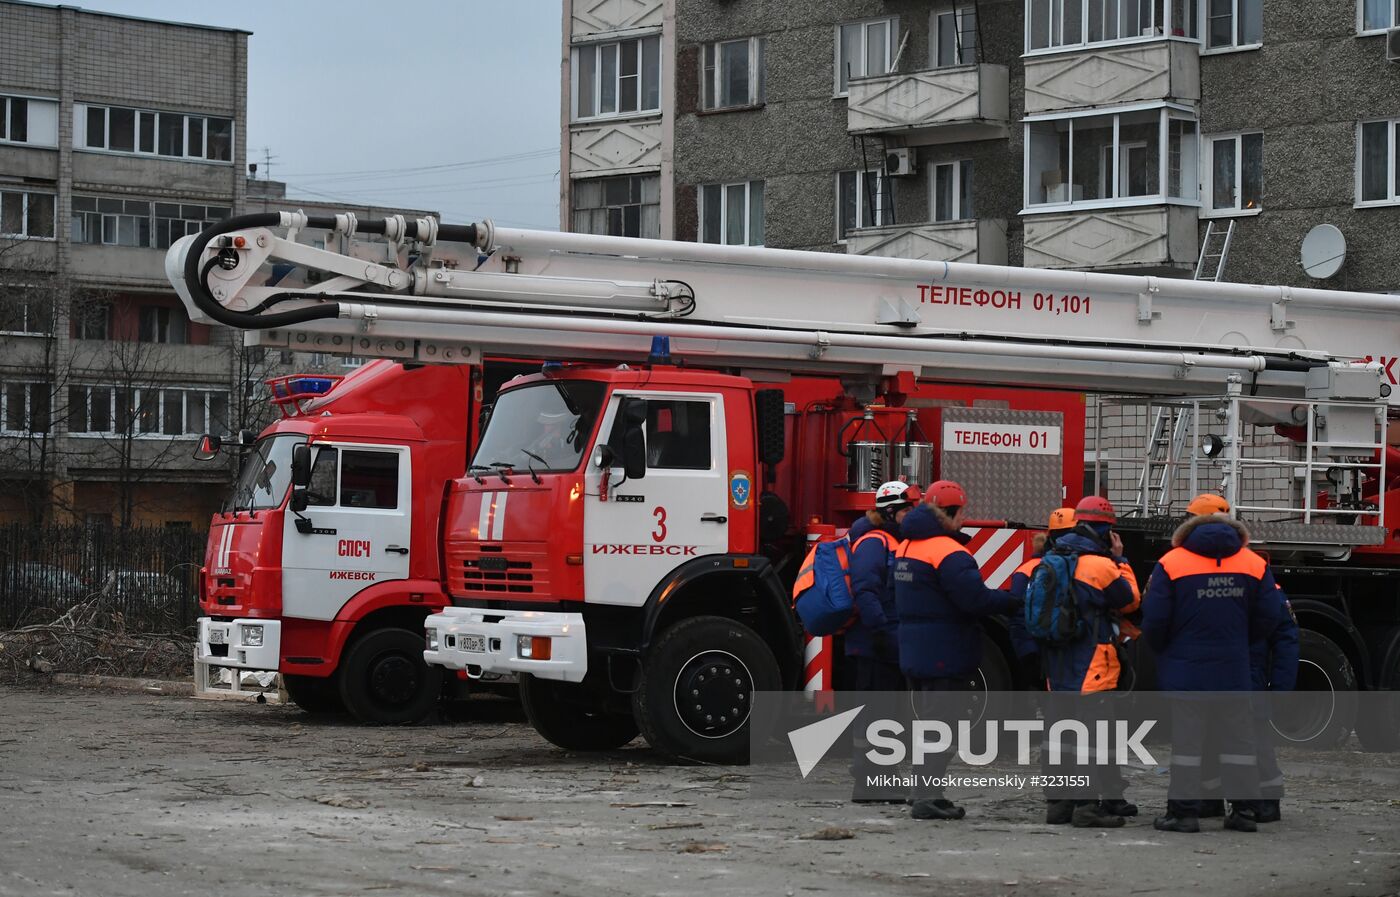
1215,250
1166,443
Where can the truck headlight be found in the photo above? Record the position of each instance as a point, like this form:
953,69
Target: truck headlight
432,638
533,647
252,636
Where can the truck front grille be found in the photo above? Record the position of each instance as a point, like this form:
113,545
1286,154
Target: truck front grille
494,570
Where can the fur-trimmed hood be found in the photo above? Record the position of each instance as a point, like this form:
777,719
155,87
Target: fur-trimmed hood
1211,535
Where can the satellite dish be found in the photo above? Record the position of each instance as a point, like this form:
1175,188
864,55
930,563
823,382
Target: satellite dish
1324,250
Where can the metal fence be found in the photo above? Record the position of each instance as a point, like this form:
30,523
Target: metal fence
148,576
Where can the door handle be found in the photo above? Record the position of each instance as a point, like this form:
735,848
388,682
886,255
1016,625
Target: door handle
397,549
713,518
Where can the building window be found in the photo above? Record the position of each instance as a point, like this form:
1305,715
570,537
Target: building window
1234,24
106,410
622,78
129,222
1377,15
863,199
864,49
91,320
955,37
952,191
26,317
26,120
171,134
733,74
627,206
1378,162
1126,158
24,408
1052,24
1234,173
24,214
162,325
732,214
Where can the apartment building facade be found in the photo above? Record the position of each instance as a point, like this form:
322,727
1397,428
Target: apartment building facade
1103,135
121,135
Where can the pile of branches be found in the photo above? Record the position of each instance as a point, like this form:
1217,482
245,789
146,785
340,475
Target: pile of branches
91,637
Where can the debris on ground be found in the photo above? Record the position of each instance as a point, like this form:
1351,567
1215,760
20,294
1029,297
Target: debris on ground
830,833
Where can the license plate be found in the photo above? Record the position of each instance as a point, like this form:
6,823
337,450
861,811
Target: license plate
473,643
216,636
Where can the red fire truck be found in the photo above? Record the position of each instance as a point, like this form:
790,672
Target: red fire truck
624,536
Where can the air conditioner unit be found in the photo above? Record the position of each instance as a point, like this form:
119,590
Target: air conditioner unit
899,162
1392,45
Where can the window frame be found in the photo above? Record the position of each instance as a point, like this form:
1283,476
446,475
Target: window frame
711,75
891,47
26,318
24,215
1363,31
724,188
957,187
1392,132
1168,112
138,396
596,80
883,190
29,410
1207,160
149,123
641,204
1235,24
5,109
935,30
1161,30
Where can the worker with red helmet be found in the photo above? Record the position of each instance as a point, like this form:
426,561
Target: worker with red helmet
1211,602
941,600
1104,589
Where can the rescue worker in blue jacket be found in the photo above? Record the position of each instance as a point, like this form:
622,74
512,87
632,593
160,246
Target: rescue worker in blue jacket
1105,589
941,600
872,641
1273,667
1209,600
1061,523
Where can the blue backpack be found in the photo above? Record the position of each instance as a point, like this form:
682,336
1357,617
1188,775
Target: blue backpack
822,595
1051,608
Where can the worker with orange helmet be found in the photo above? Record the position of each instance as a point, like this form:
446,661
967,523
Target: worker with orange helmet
1061,523
941,600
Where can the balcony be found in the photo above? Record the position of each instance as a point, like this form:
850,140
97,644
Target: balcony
1141,239
615,147
1114,75
943,105
977,240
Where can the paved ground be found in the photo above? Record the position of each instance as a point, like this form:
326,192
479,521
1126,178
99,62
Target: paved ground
129,794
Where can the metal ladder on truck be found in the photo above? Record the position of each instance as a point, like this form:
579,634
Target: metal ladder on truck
1166,444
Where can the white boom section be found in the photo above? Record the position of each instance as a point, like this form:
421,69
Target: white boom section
544,294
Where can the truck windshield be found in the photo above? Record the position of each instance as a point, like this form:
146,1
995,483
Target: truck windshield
534,426
266,474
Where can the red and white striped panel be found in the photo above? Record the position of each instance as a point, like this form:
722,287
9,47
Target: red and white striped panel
998,553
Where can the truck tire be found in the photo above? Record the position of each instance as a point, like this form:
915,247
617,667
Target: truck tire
384,680
315,695
565,715
1378,728
1324,670
715,664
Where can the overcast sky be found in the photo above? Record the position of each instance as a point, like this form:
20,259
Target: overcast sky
427,104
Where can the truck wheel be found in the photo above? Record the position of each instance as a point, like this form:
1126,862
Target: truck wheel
1324,721
317,695
1378,728
384,680
698,682
565,714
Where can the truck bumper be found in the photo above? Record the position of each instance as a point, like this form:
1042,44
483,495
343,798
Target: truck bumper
235,643
459,638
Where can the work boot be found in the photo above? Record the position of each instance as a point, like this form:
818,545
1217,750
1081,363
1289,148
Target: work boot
1211,808
1239,822
867,799
1265,811
1058,812
939,808
1120,807
1092,815
1186,824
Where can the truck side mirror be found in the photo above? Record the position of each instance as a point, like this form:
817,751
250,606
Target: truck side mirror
301,465
634,438
246,438
299,499
207,448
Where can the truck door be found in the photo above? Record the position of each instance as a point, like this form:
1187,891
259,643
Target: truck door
676,513
359,506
